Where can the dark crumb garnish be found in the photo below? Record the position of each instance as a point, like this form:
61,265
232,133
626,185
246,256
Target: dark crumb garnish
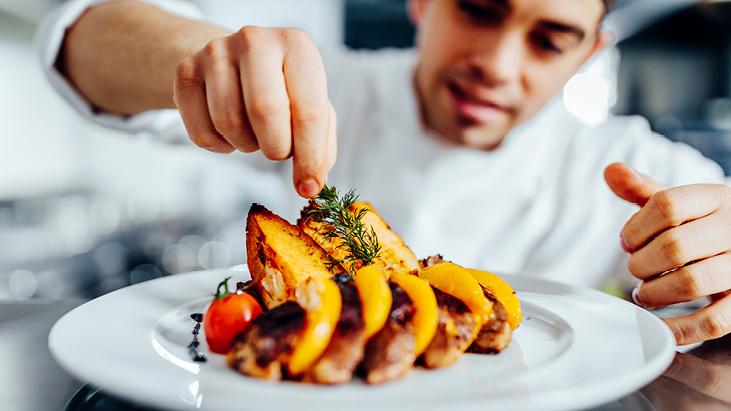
196,355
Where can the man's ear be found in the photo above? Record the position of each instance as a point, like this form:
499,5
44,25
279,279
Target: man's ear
603,40
416,10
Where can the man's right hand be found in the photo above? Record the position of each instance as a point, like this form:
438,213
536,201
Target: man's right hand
261,89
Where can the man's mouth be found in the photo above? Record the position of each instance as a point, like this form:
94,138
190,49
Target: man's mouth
475,108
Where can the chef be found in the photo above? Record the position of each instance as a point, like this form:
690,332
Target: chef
460,143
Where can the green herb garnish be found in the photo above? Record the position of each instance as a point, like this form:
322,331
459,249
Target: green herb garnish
338,222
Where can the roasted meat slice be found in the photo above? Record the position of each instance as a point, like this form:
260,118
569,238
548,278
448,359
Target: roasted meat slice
454,332
495,334
394,255
263,348
281,256
346,348
389,353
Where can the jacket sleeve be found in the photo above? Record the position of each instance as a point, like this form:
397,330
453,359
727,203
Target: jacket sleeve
163,125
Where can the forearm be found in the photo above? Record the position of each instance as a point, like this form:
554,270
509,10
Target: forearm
122,55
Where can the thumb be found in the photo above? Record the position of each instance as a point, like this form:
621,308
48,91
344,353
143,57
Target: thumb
629,184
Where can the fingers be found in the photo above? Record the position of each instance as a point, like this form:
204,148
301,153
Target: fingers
225,101
189,95
679,242
711,322
705,277
261,89
679,246
701,375
630,185
265,93
311,112
670,208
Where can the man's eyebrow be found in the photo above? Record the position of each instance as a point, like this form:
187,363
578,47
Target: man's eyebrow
564,28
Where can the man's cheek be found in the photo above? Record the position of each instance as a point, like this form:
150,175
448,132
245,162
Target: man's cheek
534,98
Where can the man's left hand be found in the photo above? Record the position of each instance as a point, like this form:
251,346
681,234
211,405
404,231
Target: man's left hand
680,247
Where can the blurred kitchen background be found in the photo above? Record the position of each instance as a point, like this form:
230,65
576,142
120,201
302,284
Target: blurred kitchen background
85,210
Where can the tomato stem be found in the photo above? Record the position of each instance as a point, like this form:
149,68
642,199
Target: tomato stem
226,292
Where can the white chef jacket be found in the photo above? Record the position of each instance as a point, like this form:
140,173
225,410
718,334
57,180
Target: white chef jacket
536,205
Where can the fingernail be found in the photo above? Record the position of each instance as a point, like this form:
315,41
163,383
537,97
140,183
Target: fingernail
308,188
636,294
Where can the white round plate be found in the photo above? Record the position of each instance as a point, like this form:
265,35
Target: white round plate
576,348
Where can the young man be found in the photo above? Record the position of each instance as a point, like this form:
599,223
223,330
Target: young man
458,143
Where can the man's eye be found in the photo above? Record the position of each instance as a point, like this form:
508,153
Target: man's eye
478,12
544,43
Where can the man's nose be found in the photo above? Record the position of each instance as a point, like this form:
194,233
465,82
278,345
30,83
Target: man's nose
498,61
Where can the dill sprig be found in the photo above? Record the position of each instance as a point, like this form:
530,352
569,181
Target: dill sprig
338,222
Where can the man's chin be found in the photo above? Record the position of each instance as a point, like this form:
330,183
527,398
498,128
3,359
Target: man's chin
477,138
469,134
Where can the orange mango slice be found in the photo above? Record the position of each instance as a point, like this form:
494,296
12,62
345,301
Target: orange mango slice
375,298
320,297
503,292
459,283
426,316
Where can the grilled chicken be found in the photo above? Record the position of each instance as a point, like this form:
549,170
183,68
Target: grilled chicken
266,346
454,332
389,354
394,255
280,256
495,334
346,348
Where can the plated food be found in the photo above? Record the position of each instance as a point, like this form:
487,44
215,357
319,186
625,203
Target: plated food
343,296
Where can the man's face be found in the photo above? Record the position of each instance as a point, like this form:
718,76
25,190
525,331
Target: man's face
488,65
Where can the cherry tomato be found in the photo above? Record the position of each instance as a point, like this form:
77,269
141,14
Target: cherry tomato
227,316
